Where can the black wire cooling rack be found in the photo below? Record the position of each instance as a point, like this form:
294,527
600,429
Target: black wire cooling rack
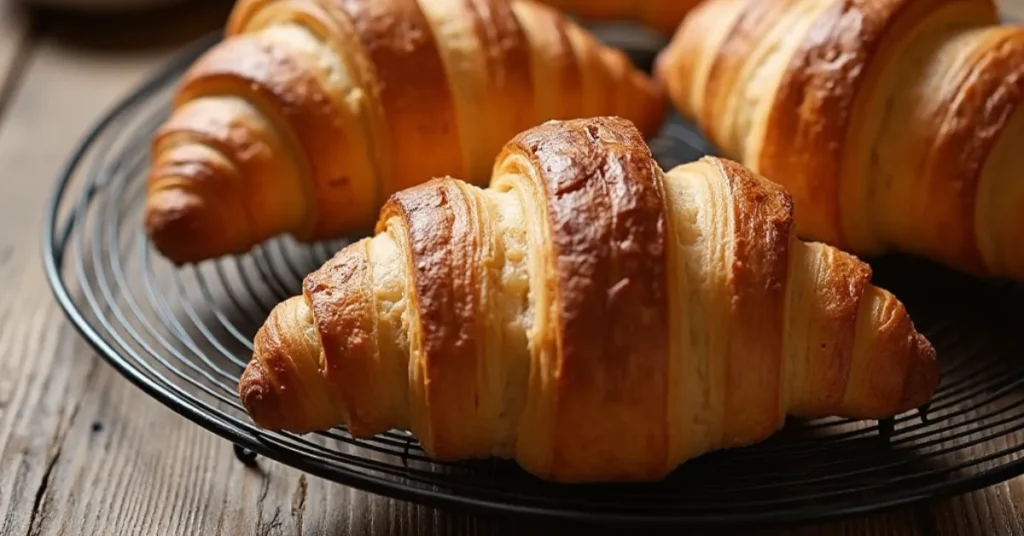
183,336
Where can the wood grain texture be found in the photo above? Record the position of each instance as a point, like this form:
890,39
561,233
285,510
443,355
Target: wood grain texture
82,451
1012,8
15,26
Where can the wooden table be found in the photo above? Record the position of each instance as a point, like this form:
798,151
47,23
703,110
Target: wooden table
82,450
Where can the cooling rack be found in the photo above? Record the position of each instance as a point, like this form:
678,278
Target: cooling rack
183,335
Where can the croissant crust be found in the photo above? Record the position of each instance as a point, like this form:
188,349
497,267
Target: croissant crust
531,319
891,122
311,113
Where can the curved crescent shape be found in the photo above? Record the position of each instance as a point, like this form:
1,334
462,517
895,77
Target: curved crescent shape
588,315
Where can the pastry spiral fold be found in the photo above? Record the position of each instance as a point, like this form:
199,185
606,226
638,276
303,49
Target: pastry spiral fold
896,124
587,315
310,113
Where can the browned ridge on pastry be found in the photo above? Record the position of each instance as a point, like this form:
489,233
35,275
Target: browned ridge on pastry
661,15
312,112
897,125
587,315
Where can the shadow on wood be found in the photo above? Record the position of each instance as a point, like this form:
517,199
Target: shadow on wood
131,31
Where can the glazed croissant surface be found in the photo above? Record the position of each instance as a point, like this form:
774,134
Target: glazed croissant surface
661,15
897,125
311,112
586,315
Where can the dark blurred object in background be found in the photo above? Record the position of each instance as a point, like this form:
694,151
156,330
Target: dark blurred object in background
102,5
119,24
126,25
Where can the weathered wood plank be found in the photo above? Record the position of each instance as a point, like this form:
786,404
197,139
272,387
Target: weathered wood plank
44,370
42,381
1013,8
14,40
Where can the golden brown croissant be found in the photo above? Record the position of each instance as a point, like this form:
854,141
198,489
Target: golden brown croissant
661,15
311,112
586,315
897,125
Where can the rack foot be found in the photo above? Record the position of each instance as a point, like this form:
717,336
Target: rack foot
922,412
886,427
246,456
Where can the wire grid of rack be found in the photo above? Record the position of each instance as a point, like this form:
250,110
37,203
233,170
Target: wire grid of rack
183,335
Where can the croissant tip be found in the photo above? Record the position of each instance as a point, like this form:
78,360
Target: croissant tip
923,376
660,66
183,228
260,398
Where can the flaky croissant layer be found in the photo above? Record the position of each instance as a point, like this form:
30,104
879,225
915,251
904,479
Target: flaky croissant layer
896,124
586,315
312,112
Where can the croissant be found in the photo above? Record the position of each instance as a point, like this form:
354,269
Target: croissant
311,112
895,124
586,315
660,15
